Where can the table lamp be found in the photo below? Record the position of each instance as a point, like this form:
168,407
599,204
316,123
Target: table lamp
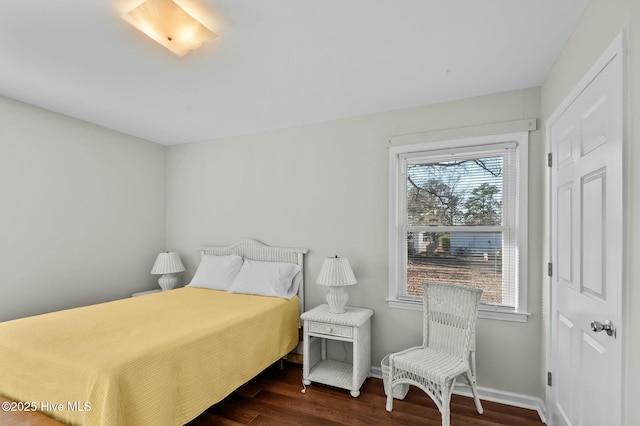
167,264
336,273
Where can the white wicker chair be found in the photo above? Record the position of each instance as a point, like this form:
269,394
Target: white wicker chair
450,313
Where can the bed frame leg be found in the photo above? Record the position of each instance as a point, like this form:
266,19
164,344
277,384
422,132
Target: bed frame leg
281,364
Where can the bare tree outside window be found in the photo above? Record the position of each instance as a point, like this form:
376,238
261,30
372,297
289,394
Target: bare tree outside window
460,193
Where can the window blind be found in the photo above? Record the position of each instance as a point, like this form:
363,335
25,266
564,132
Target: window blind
459,220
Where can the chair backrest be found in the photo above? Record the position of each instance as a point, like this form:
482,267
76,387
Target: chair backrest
450,313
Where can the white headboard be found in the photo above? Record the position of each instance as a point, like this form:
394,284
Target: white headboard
255,250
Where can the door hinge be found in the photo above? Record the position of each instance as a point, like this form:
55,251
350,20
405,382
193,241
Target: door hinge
549,159
550,269
548,378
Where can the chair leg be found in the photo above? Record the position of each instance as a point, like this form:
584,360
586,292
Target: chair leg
389,386
446,413
471,379
389,406
474,391
476,399
446,420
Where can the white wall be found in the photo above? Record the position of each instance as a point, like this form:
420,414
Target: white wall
325,187
82,211
599,25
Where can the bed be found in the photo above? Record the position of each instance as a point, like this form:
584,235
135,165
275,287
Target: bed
159,359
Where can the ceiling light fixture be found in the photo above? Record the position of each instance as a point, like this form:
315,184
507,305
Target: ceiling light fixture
169,24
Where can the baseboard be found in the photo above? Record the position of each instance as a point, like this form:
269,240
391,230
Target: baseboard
376,372
494,395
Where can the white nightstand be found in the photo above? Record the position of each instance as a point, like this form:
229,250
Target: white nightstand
353,326
142,293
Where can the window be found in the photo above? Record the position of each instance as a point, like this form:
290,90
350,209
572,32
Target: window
458,215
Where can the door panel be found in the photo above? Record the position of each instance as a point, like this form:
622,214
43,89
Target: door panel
564,237
593,355
593,229
564,379
593,126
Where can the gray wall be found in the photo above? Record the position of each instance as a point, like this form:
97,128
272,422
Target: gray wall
599,25
325,187
82,211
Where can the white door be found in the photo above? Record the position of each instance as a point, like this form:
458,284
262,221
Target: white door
586,138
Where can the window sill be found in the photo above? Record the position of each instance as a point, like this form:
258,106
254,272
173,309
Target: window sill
483,312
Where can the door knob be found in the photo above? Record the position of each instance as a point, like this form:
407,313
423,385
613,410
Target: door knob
607,327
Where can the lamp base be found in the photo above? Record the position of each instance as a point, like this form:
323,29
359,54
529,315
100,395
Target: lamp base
167,281
337,298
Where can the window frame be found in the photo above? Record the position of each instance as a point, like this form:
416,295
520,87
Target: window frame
397,208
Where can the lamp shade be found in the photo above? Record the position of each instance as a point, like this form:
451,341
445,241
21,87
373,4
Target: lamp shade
336,271
167,263
166,22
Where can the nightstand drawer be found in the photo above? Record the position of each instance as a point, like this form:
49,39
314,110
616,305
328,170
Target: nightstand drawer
330,329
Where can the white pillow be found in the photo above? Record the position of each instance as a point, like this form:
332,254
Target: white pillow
216,272
279,279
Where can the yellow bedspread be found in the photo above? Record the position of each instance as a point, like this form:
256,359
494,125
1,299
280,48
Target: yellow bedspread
159,359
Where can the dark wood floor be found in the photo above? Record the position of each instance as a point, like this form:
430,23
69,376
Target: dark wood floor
274,398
